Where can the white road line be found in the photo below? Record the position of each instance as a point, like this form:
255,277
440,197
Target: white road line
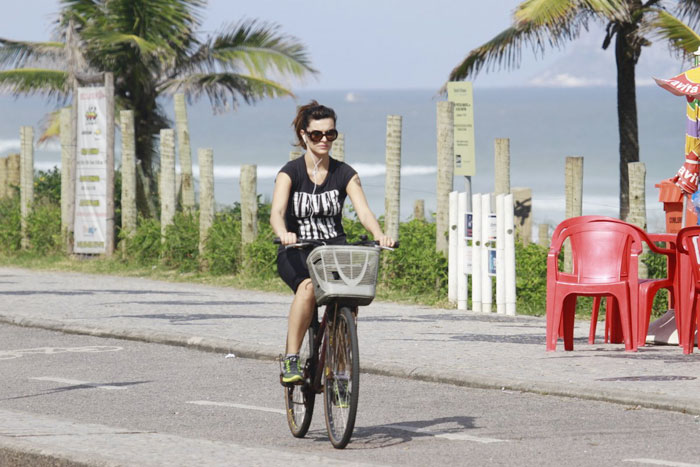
661,462
78,383
450,436
238,406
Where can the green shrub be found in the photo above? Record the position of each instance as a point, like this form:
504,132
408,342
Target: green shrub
10,235
44,228
260,256
47,186
415,268
531,278
222,252
144,246
180,250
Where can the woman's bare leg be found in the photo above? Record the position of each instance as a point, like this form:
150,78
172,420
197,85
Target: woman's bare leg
300,315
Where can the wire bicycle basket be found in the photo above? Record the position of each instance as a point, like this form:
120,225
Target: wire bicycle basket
347,272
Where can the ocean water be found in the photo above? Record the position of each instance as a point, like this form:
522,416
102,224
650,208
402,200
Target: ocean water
544,127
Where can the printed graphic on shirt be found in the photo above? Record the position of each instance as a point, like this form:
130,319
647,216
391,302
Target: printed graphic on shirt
315,213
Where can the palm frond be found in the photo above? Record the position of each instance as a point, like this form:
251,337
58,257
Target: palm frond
689,10
17,54
555,14
225,89
504,50
254,47
680,35
33,81
50,127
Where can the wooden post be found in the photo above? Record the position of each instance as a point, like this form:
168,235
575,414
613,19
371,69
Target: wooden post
502,166
183,144
205,159
392,197
339,148
445,173
522,212
67,191
249,203
167,179
109,234
638,210
13,174
3,178
129,212
294,155
419,210
543,235
27,179
574,199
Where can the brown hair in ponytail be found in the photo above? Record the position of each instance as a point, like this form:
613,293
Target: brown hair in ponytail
305,113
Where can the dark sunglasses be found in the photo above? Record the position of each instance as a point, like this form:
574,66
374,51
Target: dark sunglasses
316,136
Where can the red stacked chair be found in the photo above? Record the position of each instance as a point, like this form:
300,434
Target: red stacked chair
688,244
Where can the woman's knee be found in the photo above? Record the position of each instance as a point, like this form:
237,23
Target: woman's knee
305,291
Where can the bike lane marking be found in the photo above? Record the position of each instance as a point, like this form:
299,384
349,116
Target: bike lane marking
238,406
17,353
661,462
76,382
450,436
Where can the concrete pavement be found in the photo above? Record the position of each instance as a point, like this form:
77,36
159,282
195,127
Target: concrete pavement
443,345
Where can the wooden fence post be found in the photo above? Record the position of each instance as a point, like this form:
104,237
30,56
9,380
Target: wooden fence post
129,213
445,173
67,190
522,213
574,198
109,234
543,235
339,148
249,203
205,159
419,210
3,178
637,214
27,179
392,197
185,152
167,179
502,166
13,173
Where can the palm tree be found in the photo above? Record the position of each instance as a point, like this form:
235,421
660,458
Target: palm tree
631,23
153,49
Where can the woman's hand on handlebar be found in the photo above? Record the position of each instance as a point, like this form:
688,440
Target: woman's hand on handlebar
288,238
385,241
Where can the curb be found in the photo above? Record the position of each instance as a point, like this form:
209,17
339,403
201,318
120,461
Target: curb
266,352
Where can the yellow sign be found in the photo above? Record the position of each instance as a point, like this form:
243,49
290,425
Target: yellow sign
460,92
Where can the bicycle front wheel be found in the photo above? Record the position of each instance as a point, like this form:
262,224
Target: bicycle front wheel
299,398
342,377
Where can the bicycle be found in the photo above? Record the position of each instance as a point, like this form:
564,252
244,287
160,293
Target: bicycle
344,277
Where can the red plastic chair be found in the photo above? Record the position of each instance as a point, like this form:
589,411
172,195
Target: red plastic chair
605,263
648,289
688,243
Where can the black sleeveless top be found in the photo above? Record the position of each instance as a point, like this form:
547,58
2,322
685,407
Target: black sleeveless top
316,211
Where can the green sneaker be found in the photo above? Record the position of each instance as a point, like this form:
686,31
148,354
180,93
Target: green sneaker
291,373
340,392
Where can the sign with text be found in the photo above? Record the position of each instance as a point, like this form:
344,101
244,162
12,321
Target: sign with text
91,172
460,92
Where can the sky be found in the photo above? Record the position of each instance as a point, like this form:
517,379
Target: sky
391,44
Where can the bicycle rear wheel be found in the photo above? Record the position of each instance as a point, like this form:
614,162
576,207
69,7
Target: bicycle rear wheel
299,398
342,377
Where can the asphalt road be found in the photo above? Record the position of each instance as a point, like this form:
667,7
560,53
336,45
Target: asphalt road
116,402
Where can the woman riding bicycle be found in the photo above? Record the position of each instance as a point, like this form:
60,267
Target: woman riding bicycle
307,202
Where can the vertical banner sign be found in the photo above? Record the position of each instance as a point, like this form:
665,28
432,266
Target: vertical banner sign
91,172
460,92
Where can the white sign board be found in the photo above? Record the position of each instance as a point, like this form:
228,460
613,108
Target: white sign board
91,172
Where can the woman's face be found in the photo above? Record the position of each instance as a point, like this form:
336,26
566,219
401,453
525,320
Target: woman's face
322,147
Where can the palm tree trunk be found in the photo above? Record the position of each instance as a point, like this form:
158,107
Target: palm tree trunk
626,55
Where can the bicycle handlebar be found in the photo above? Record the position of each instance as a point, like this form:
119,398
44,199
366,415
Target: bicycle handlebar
306,242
